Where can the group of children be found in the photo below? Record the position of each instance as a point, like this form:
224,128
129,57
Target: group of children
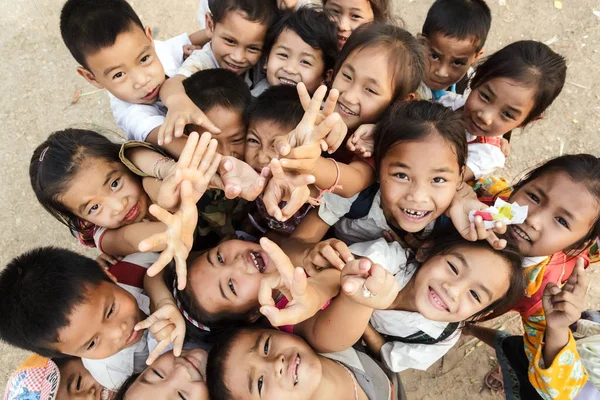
292,214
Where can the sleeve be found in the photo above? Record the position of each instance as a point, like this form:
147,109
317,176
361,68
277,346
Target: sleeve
131,145
136,120
452,100
390,256
199,60
98,236
484,158
566,376
334,207
399,356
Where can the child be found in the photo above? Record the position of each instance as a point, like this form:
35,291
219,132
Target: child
300,47
454,33
350,14
510,89
117,53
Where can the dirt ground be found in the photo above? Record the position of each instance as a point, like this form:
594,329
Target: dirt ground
40,79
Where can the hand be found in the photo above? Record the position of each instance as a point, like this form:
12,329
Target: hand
362,141
293,283
179,236
326,254
188,49
563,306
465,200
105,261
285,187
505,147
362,273
167,326
302,159
239,179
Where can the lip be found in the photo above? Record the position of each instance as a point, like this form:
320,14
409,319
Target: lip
132,214
294,368
437,301
476,126
414,219
132,337
233,67
153,94
265,259
346,111
518,233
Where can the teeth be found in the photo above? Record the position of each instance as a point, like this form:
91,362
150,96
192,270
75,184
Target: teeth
296,369
413,213
522,234
347,110
287,81
104,394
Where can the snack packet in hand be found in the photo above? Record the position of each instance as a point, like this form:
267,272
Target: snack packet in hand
501,211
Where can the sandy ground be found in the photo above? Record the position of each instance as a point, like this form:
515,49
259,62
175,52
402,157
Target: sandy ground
40,79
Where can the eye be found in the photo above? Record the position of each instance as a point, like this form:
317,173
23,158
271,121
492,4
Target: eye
115,183
372,91
78,386
259,384
534,198
562,221
252,140
91,345
93,209
356,17
219,258
254,49
475,295
306,63
231,287
229,41
508,115
439,180
182,397
458,63
484,97
238,141
346,76
282,55
157,374
453,268
145,58
267,345
110,312
401,175
435,56
118,75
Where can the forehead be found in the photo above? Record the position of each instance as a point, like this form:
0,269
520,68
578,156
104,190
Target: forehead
511,92
125,49
89,180
235,23
267,130
229,120
371,63
417,154
293,42
451,46
359,5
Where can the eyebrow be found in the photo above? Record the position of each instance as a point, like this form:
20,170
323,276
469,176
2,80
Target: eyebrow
108,176
106,301
435,49
252,369
399,164
467,266
567,213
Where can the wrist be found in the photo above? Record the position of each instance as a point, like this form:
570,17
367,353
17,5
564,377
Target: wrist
164,302
167,168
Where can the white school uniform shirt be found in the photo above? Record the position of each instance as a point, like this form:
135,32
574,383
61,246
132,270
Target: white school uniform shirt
204,59
138,120
482,158
111,372
399,356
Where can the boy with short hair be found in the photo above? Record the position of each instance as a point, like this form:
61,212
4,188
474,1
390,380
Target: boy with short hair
454,34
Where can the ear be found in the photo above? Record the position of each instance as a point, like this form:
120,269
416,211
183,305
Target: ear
327,76
210,26
254,316
88,76
477,55
148,32
410,97
462,176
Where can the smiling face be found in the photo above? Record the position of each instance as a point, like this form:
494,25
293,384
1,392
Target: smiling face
171,377
270,364
415,187
556,219
348,15
365,85
454,286
106,194
260,149
227,277
102,325
292,60
498,106
76,382
129,69
236,42
232,138
447,60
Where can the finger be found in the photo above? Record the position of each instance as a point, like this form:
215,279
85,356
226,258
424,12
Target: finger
272,198
550,290
333,257
299,283
582,278
273,314
177,337
155,241
161,214
265,290
331,102
188,150
157,351
298,165
309,151
351,284
200,150
376,281
178,129
181,271
161,132
303,95
298,198
480,228
326,126
202,120
282,145
209,156
500,227
343,250
318,261
147,323
336,137
163,260
158,326
279,258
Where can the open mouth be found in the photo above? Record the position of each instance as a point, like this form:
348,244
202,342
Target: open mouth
233,67
520,233
415,214
106,394
437,301
342,40
153,94
132,337
294,366
132,214
259,261
286,81
346,110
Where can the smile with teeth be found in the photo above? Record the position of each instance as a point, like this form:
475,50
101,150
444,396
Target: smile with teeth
415,213
286,81
347,110
297,362
521,233
437,300
259,263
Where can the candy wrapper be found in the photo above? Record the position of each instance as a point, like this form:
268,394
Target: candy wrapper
501,211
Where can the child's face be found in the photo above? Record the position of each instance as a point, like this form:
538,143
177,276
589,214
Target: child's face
129,69
232,138
417,188
349,15
270,364
292,61
286,4
102,325
106,194
556,218
447,60
227,277
260,139
365,85
452,287
236,42
171,377
76,382
498,106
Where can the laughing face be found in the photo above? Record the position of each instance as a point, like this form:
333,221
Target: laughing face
348,15
76,382
227,277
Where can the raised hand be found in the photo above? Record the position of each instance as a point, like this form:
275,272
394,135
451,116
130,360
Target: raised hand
369,284
238,179
167,326
327,254
362,141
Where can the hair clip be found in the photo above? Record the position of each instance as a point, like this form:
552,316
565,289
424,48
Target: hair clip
43,153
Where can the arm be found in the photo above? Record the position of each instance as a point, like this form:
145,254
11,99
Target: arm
125,240
354,177
199,38
374,341
311,229
157,291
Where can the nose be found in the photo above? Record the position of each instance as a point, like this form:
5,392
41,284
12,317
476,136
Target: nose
279,364
350,95
452,289
534,219
417,193
263,158
116,204
344,24
485,116
442,71
238,55
290,67
140,80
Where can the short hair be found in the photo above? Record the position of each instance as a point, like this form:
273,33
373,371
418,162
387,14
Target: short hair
88,26
278,104
38,291
313,26
261,11
121,394
218,87
460,19
381,9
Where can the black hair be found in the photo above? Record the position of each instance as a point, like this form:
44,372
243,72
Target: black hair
88,26
443,241
581,168
459,19
405,54
264,12
38,291
122,392
415,121
530,63
313,26
58,159
61,361
218,87
381,9
278,104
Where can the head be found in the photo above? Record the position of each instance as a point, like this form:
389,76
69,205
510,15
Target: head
223,97
459,280
380,63
454,34
350,14
237,30
113,49
513,87
60,302
169,377
415,187
275,112
76,382
77,176
301,47
558,220
263,364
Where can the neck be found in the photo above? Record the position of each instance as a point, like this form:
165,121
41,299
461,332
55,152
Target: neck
405,300
336,383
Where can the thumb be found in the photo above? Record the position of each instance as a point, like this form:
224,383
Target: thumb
299,283
550,290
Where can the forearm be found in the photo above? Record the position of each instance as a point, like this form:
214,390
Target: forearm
353,177
172,91
199,38
374,341
555,341
157,291
311,229
174,147
126,240
296,249
149,161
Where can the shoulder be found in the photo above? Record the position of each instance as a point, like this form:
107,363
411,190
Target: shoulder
170,52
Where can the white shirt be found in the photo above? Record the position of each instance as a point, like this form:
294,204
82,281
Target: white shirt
260,87
204,59
399,356
482,158
138,120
